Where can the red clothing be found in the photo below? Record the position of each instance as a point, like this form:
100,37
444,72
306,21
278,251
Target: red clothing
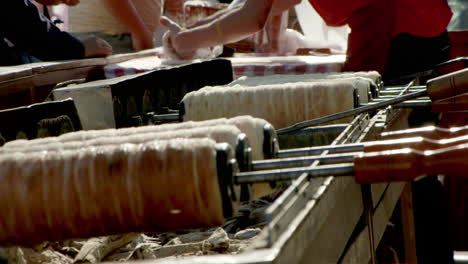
423,18
337,13
374,23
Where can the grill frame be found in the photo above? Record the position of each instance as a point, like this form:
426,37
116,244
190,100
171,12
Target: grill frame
304,219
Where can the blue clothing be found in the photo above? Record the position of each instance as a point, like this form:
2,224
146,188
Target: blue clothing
22,24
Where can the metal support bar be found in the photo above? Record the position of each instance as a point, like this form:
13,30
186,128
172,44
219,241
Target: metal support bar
409,104
397,91
345,169
302,161
406,88
385,98
167,117
301,152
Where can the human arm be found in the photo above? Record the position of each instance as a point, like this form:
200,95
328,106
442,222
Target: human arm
213,17
23,25
230,27
127,14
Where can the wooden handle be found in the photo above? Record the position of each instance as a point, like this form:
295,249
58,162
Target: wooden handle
417,143
387,166
407,164
451,66
449,85
429,132
451,104
413,142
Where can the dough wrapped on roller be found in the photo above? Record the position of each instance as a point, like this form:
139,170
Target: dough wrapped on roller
226,131
252,127
220,133
220,130
362,80
280,104
90,134
164,185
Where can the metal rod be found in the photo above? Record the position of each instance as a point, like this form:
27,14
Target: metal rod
346,169
396,92
301,152
352,112
302,161
171,111
166,117
385,98
403,88
409,104
337,128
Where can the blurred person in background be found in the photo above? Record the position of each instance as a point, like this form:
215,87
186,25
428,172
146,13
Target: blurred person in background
396,37
128,25
28,36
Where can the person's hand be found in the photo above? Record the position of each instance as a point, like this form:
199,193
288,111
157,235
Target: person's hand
96,47
172,42
56,2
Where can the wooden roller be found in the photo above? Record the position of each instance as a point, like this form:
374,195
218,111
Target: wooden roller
279,104
254,128
366,83
152,187
122,189
445,86
262,142
219,133
90,134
